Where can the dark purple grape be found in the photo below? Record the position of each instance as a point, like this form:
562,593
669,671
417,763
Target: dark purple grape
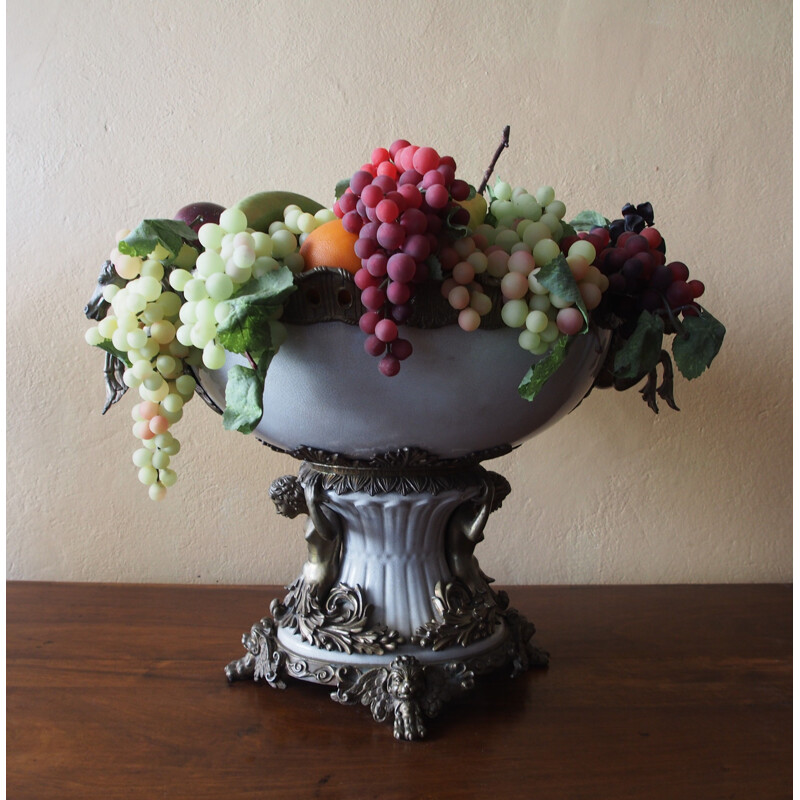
651,300
402,313
434,223
636,244
616,283
679,294
680,272
612,261
632,269
423,272
661,278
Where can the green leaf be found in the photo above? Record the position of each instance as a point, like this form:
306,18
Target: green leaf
557,277
641,352
587,220
247,326
695,350
567,230
458,229
341,187
244,394
536,377
435,267
169,233
109,348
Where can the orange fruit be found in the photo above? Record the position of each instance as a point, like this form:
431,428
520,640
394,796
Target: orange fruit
330,245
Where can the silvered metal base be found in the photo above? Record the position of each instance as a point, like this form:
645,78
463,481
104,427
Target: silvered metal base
405,687
446,625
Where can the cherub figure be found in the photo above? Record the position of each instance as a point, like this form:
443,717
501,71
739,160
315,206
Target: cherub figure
323,529
465,530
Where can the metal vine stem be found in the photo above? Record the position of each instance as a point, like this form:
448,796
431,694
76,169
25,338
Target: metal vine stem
503,145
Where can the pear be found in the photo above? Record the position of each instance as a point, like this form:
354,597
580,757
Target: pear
264,208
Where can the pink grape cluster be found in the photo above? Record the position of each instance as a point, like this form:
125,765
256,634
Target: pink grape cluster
399,204
515,268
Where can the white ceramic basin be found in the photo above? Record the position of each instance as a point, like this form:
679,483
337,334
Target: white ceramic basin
456,395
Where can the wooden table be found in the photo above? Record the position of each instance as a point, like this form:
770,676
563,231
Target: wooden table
117,691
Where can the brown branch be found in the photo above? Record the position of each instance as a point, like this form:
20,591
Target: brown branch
488,173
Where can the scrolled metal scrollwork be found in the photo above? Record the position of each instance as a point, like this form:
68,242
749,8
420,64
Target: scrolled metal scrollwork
462,617
343,624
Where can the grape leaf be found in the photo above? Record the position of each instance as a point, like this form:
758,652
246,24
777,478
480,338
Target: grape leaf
244,396
536,377
567,229
169,233
434,267
109,348
642,350
695,350
459,229
557,277
587,220
341,187
247,326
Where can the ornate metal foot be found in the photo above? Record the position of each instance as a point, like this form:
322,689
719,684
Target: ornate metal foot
523,655
264,659
405,692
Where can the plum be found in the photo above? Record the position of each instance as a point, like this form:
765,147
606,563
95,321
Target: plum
197,214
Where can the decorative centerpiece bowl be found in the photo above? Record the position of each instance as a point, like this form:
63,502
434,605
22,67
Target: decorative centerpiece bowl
491,322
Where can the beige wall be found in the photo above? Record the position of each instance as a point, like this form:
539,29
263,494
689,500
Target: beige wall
122,110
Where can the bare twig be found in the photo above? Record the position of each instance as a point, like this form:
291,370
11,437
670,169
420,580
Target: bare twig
488,173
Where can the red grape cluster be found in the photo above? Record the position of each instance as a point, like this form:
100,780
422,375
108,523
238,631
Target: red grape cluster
639,277
401,205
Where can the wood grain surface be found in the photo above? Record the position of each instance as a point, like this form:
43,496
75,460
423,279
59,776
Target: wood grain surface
118,691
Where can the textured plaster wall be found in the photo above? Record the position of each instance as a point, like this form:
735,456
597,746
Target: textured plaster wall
119,110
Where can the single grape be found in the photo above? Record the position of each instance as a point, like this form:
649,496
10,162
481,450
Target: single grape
389,365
